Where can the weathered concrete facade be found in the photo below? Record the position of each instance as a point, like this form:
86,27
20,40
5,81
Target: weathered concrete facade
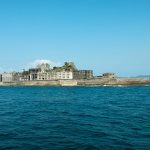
0,77
33,73
55,75
109,75
67,72
25,76
10,77
7,77
83,74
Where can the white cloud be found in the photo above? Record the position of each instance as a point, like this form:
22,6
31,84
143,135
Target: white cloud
40,61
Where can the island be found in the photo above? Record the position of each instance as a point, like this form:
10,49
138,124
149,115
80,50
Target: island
66,75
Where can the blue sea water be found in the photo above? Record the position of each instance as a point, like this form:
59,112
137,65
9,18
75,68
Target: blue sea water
82,118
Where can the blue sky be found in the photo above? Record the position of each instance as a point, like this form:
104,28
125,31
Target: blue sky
103,35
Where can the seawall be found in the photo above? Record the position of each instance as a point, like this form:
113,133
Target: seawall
91,82
115,82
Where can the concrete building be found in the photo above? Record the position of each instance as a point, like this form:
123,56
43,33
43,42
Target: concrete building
0,77
7,77
65,75
33,73
55,75
109,75
10,77
83,74
16,76
67,72
25,76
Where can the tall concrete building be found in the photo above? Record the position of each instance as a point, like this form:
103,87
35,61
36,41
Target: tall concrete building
0,77
25,76
7,77
83,74
10,77
33,73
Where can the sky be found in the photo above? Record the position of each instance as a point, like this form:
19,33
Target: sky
102,35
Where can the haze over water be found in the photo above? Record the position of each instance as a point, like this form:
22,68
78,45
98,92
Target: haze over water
74,118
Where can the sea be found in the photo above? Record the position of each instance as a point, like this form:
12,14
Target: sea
75,118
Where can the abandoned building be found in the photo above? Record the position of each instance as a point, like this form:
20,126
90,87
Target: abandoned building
67,72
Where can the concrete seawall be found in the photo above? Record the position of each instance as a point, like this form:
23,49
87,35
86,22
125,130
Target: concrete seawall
91,82
31,83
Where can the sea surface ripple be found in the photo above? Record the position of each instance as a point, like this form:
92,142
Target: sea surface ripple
82,118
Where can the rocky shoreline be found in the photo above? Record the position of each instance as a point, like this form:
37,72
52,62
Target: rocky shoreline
91,82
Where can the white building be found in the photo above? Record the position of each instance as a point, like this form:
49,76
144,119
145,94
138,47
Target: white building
65,75
7,77
10,77
55,75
